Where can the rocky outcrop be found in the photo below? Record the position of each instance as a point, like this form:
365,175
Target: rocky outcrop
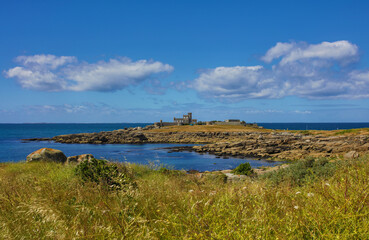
54,155
47,155
114,137
289,146
258,144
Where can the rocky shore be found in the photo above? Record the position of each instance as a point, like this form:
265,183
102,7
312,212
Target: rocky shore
256,143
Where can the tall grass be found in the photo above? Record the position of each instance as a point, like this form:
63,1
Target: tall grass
48,201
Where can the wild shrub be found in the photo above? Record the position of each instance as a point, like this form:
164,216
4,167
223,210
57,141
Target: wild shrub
305,170
243,169
46,201
110,175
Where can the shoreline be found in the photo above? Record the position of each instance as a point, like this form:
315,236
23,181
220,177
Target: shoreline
234,141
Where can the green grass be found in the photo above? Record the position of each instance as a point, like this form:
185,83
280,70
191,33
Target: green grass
303,171
352,131
49,201
342,132
304,132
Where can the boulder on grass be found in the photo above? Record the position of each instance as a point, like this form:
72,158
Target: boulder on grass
79,158
47,155
351,155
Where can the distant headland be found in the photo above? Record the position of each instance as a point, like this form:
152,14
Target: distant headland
188,120
233,138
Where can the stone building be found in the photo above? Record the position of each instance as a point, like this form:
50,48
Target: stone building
187,119
233,121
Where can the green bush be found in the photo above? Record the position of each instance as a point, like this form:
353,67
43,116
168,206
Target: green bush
44,201
109,175
305,170
243,169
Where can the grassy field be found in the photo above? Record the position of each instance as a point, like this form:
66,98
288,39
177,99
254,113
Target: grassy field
225,128
314,199
209,128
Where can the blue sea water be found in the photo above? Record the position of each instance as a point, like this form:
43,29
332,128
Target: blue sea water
13,149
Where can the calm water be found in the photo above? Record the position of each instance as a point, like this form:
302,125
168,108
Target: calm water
12,149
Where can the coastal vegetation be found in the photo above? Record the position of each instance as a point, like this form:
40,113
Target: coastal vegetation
209,128
312,198
243,169
234,141
241,128
351,131
112,176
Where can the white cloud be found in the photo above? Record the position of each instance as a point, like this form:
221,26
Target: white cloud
292,52
277,51
45,61
30,78
359,83
235,82
52,73
304,70
113,75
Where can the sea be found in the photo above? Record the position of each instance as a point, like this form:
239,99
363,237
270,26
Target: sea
14,149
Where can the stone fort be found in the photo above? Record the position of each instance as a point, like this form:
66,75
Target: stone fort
186,119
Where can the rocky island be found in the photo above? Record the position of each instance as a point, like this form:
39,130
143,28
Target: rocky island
240,141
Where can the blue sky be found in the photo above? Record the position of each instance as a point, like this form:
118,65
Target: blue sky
142,61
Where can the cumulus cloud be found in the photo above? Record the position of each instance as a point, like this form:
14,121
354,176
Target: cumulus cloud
291,52
44,61
65,73
277,51
236,82
30,78
306,70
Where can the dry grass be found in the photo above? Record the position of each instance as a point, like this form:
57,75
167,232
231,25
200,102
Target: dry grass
47,201
225,128
344,132
209,128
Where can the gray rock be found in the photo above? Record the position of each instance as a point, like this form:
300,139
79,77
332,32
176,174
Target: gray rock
233,177
47,155
351,155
